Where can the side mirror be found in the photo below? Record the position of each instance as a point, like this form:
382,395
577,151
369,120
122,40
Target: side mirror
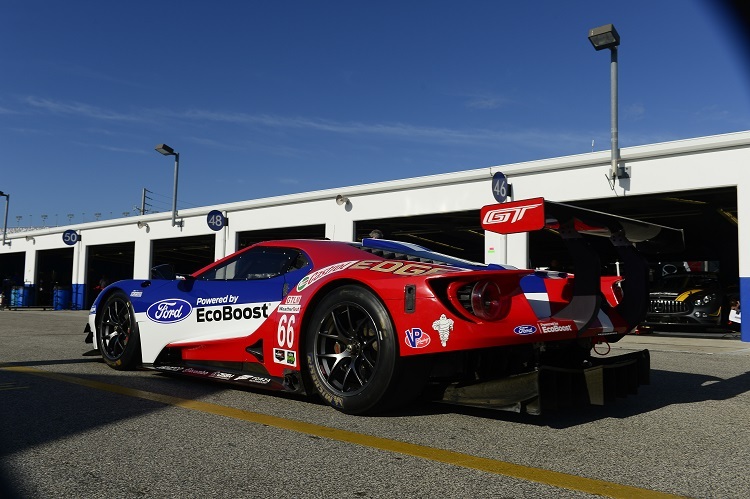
163,271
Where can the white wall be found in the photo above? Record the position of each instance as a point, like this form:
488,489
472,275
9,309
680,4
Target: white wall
706,162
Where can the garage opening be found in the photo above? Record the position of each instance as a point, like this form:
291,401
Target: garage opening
457,234
250,237
107,263
707,217
186,254
54,272
11,274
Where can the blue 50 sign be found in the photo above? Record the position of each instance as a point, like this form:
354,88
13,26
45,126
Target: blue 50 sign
70,237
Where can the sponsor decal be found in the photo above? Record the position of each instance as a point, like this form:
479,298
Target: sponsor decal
217,300
169,368
292,305
195,372
385,266
556,327
416,338
136,293
228,313
289,309
251,378
285,357
607,333
222,376
400,268
169,311
524,330
313,277
443,326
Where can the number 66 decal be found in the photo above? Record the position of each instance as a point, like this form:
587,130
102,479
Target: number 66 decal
285,333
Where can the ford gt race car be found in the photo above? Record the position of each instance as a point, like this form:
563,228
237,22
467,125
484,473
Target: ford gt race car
370,326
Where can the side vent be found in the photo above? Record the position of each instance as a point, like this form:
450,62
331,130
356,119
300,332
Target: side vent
256,349
410,298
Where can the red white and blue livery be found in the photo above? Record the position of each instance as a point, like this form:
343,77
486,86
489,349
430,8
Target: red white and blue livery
370,326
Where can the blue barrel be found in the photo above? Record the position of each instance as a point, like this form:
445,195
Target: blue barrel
61,298
16,296
22,296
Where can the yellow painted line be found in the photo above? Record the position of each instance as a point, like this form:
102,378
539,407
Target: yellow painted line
10,386
547,477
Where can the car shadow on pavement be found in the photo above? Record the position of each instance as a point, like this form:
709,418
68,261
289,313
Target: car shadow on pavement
667,388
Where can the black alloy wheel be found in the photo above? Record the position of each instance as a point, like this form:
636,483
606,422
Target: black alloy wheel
117,333
351,350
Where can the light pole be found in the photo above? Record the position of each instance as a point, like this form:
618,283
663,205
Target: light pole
168,151
606,37
5,222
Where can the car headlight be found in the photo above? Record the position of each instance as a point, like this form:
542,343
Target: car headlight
705,300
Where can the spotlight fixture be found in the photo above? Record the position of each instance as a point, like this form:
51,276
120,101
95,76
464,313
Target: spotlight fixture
341,200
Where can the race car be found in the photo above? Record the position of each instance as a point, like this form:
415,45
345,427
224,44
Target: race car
687,300
369,326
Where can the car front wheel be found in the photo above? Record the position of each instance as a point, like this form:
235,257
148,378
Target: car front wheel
117,333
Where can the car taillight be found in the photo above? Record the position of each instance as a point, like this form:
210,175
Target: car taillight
618,291
487,301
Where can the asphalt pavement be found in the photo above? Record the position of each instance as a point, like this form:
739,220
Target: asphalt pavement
72,427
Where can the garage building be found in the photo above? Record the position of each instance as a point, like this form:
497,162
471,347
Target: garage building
700,185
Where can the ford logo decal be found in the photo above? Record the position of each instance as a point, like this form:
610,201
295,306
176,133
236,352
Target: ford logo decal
524,329
168,311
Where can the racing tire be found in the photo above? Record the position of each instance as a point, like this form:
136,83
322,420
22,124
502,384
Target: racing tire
351,353
117,333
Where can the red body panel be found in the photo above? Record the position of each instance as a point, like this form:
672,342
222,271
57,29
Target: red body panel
433,327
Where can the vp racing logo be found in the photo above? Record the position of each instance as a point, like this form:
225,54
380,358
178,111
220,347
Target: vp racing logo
169,310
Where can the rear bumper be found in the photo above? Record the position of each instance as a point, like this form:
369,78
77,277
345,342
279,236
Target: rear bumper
550,388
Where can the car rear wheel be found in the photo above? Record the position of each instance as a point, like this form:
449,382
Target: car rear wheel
117,333
351,352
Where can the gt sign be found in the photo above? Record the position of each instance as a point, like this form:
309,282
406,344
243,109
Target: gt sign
516,216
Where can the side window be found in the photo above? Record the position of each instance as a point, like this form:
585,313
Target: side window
257,263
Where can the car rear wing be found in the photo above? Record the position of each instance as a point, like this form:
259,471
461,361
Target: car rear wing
628,236
538,213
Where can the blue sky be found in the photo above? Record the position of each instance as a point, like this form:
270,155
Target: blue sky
267,98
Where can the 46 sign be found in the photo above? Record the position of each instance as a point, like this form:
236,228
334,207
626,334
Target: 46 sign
500,187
